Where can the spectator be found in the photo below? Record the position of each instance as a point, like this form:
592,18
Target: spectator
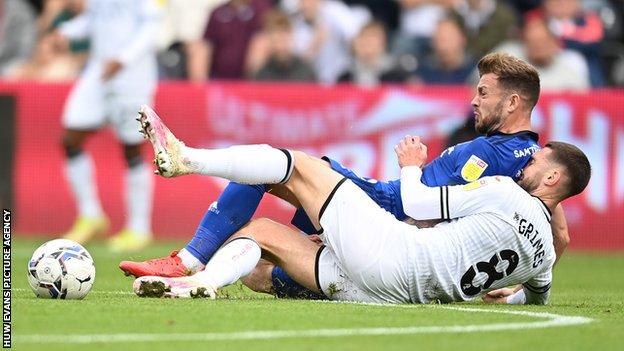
323,30
181,37
450,63
579,30
48,64
559,69
384,11
231,27
417,23
486,23
18,33
372,64
279,61
523,6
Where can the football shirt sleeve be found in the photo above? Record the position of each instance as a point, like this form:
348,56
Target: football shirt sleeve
447,202
537,289
534,292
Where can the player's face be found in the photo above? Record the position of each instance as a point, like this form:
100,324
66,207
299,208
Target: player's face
534,171
488,104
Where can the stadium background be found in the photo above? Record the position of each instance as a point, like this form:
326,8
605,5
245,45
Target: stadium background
355,124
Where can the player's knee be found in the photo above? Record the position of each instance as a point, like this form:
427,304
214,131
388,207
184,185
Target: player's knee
263,231
261,223
72,146
257,227
132,155
300,156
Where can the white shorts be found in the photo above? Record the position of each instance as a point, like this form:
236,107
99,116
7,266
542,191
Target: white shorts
368,254
92,103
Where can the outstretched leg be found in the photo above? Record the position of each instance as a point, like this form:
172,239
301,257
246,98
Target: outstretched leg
307,177
278,244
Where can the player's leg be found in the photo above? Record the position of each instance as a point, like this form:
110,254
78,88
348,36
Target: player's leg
136,233
139,180
279,244
83,114
286,248
248,164
259,279
233,209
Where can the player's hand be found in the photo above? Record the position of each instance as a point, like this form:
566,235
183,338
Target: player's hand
498,295
411,152
59,42
111,68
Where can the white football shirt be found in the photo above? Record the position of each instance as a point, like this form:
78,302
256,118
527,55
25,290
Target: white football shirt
123,30
497,235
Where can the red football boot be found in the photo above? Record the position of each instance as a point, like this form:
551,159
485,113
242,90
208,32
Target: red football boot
170,266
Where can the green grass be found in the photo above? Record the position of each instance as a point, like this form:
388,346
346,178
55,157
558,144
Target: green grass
586,284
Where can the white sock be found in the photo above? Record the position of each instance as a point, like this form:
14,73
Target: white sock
81,177
247,164
190,262
139,192
233,261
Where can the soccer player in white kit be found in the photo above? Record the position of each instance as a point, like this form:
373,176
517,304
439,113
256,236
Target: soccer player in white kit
497,232
120,75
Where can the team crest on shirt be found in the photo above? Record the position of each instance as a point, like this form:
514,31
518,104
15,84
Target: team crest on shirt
473,168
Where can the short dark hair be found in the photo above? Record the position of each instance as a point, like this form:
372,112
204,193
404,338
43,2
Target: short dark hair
513,73
576,164
374,24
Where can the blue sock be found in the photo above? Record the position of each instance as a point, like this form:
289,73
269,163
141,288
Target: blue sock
285,286
233,209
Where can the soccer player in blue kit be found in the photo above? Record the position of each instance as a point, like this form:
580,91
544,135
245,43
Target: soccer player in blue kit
507,92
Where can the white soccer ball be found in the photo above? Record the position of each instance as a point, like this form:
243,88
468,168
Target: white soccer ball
61,269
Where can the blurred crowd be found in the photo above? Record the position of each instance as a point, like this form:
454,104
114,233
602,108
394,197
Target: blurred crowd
575,44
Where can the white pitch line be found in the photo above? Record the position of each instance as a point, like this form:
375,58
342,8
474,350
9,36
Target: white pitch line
99,292
552,320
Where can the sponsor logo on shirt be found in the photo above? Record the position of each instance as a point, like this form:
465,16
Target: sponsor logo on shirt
475,185
481,182
473,168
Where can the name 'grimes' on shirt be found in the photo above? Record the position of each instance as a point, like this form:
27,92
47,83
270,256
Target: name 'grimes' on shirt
528,231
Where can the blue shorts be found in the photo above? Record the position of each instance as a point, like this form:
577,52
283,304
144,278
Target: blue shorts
386,194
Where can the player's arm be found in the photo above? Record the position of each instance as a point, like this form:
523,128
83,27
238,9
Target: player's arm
446,202
561,237
77,28
412,155
536,291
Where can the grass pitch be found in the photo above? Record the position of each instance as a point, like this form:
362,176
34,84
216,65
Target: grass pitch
587,286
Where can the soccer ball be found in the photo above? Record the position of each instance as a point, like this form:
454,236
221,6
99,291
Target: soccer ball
61,269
